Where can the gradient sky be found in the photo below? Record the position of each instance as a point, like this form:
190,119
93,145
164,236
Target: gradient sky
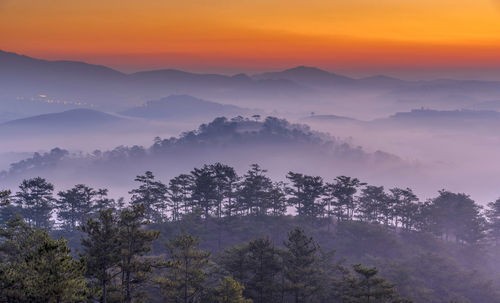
353,36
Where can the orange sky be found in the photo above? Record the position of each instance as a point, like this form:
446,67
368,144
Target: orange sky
343,35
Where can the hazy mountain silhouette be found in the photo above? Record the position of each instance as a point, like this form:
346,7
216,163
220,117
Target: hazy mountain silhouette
487,105
176,107
19,65
273,142
308,76
26,76
93,84
382,81
80,120
329,117
69,82
8,116
479,121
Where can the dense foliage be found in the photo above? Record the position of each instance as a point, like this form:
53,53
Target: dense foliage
211,235
238,133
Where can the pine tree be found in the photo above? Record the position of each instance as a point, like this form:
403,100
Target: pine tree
264,265
301,266
75,205
254,191
455,215
277,199
101,250
7,209
234,261
230,291
54,276
405,207
493,215
186,271
37,203
369,288
36,268
134,242
342,193
179,193
102,202
225,178
306,192
204,190
152,194
257,265
374,205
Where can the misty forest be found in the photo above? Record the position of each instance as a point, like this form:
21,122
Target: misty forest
306,151
211,235
181,199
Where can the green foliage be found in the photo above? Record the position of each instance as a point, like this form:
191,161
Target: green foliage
101,250
493,215
257,265
75,205
179,195
439,251
134,242
455,216
305,194
204,190
254,193
7,210
341,196
186,272
36,200
371,288
405,208
152,195
230,291
374,205
36,268
301,266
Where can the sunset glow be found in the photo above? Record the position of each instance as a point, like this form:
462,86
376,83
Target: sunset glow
255,35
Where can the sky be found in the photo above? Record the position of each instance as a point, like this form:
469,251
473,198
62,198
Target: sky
410,38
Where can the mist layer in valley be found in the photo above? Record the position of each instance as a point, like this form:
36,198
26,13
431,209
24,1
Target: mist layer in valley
427,135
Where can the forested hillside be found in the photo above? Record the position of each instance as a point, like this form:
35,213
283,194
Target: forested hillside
238,141
209,235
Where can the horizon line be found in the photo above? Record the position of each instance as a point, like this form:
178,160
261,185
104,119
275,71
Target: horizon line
241,71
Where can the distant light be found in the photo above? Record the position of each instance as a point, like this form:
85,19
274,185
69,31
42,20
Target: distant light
42,96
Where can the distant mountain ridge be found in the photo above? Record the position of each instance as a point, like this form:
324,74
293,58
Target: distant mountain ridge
26,77
307,75
465,114
237,140
181,107
78,81
80,120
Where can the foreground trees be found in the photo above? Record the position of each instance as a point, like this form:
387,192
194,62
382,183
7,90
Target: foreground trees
36,268
152,194
36,201
456,216
117,264
114,247
75,205
301,266
186,270
368,287
101,251
216,191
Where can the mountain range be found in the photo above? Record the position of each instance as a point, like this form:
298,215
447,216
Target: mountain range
74,120
175,107
70,82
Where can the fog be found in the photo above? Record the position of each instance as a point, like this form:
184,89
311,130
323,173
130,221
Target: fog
454,146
